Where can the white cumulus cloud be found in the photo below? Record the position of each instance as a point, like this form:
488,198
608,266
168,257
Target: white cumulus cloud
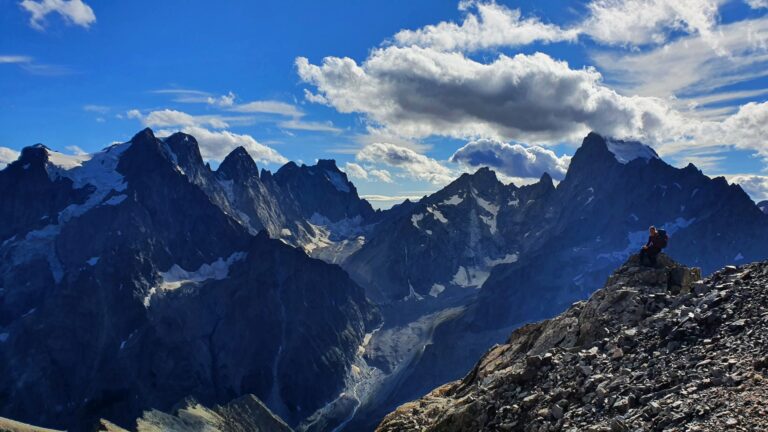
170,118
382,175
7,156
512,160
640,22
493,25
73,11
533,98
355,171
216,145
412,164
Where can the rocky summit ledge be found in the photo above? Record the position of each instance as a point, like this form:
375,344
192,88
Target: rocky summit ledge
655,349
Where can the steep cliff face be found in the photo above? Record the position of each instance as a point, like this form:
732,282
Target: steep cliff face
450,241
145,289
656,348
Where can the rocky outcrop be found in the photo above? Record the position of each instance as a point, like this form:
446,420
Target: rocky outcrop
8,425
655,349
244,414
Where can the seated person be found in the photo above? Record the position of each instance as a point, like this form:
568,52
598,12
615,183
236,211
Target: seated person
657,240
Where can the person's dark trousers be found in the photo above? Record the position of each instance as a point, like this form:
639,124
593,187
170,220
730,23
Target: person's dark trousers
648,257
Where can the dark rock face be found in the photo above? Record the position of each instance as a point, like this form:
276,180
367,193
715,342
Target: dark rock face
27,177
655,349
335,198
146,291
451,239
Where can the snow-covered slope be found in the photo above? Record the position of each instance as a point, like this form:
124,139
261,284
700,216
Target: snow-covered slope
627,151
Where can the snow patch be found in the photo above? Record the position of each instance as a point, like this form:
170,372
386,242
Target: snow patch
412,294
489,207
626,151
454,200
436,290
176,276
337,181
415,219
507,259
285,232
93,261
437,214
470,277
333,241
738,257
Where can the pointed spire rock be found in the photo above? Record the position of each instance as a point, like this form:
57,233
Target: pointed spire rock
238,165
144,135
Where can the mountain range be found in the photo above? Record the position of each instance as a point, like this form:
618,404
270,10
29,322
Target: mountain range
137,277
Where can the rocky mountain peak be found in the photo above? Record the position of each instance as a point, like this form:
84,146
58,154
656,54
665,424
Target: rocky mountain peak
656,348
324,190
598,154
238,165
36,155
546,181
328,164
483,180
185,150
145,135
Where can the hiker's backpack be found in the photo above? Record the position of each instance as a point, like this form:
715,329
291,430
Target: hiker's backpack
663,238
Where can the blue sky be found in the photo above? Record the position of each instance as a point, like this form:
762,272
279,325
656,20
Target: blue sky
393,90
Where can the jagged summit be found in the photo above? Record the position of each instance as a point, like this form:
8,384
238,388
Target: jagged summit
655,349
238,165
598,154
144,135
35,154
327,163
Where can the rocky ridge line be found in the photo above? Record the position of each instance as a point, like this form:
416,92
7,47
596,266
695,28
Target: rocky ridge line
655,349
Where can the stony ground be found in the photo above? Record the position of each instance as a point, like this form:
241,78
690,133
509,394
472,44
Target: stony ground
654,350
